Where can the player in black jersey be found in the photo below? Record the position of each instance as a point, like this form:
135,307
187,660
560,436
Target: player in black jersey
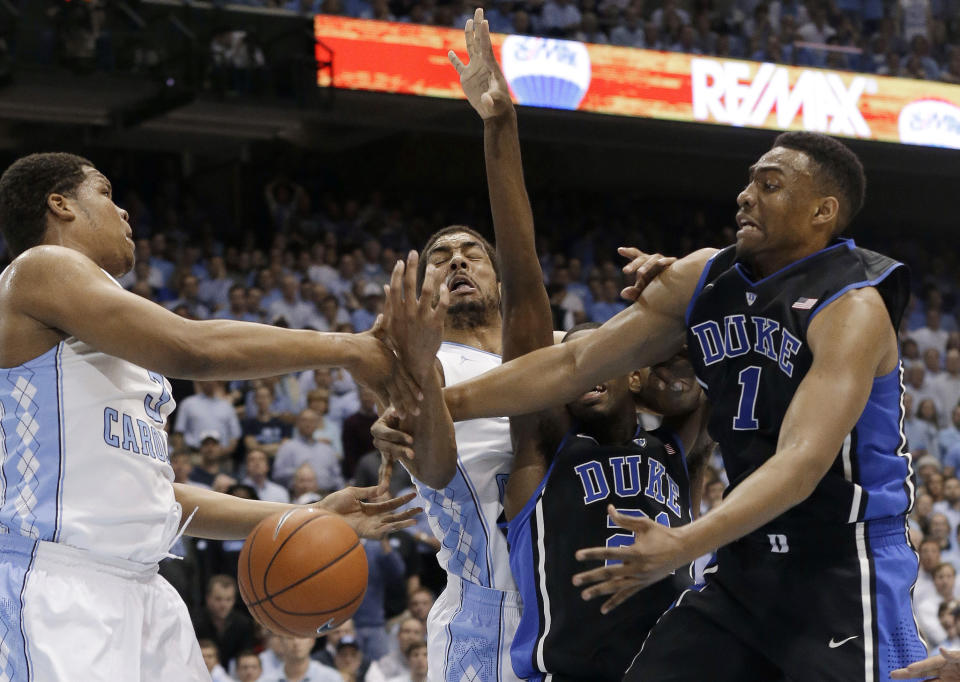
795,342
593,455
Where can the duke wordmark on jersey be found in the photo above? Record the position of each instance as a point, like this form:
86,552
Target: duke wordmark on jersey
733,339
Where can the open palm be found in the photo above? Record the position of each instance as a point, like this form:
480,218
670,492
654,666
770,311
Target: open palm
481,79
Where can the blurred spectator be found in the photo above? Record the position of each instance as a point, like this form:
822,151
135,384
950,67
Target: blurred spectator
297,666
188,289
211,461
357,440
332,317
254,303
328,431
394,664
932,334
205,412
949,506
416,656
363,318
350,661
211,657
270,657
304,448
257,468
266,431
296,312
946,389
609,303
249,668
219,622
236,308
928,424
929,560
304,488
944,581
559,17
214,292
344,395
630,32
950,436
385,566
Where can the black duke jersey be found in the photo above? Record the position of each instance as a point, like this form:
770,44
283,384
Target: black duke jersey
748,345
562,637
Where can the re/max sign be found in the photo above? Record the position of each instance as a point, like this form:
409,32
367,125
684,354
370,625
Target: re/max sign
723,91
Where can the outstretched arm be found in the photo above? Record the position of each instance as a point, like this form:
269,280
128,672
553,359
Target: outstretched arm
841,376
225,517
62,289
648,331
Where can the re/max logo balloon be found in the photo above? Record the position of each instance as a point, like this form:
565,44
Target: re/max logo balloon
724,91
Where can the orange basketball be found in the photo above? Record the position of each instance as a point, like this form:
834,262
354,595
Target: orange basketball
302,572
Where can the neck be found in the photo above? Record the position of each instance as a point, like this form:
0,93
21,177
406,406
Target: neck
767,264
487,337
296,670
257,480
614,429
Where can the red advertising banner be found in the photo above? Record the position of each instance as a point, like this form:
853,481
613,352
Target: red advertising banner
412,59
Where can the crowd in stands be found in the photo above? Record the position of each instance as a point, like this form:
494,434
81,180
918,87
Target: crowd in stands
906,38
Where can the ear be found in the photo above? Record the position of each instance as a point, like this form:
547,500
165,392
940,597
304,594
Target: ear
59,205
638,379
827,211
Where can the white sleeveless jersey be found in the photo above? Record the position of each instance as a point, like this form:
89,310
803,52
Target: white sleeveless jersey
84,454
464,515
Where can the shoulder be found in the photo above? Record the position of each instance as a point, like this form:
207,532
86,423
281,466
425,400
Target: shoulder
39,264
862,304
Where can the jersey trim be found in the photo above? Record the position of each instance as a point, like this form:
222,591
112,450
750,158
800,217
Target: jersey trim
856,285
848,243
541,569
58,512
23,634
463,345
700,284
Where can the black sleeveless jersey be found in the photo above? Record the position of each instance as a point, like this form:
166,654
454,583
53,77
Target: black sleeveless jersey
748,344
559,633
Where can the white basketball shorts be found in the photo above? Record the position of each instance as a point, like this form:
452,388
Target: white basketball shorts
70,615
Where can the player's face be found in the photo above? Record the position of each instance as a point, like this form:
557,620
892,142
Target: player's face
777,206
468,272
609,398
669,388
101,227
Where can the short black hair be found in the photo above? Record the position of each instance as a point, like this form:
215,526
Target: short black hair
839,170
453,229
24,188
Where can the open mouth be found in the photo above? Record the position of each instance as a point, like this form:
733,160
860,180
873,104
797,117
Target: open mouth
594,395
747,225
461,285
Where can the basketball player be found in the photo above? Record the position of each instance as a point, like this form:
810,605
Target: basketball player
595,452
792,333
88,506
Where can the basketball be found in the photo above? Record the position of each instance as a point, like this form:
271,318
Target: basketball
302,572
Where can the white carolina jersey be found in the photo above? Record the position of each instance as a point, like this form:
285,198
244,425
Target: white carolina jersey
84,454
464,515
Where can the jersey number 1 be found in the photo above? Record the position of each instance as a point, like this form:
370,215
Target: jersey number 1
749,379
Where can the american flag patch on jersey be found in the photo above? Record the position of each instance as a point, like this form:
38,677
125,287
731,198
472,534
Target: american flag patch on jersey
669,449
804,303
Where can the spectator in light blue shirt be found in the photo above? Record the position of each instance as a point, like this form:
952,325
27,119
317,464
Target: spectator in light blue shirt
386,568
304,448
363,318
950,436
609,305
215,290
206,411
237,307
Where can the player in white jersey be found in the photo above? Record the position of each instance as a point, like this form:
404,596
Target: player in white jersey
462,479
87,500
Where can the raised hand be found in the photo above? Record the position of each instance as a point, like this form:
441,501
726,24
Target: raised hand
415,325
654,554
367,516
645,267
945,666
379,369
481,79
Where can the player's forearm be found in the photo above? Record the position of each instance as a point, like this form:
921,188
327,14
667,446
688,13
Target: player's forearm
434,439
222,517
781,483
527,320
225,349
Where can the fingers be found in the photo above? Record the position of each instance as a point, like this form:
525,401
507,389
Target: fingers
404,392
455,60
393,450
620,596
628,521
383,429
483,37
470,39
629,252
400,525
410,282
596,575
386,470
390,505
631,293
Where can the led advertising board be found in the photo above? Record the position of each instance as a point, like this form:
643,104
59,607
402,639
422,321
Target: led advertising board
562,74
